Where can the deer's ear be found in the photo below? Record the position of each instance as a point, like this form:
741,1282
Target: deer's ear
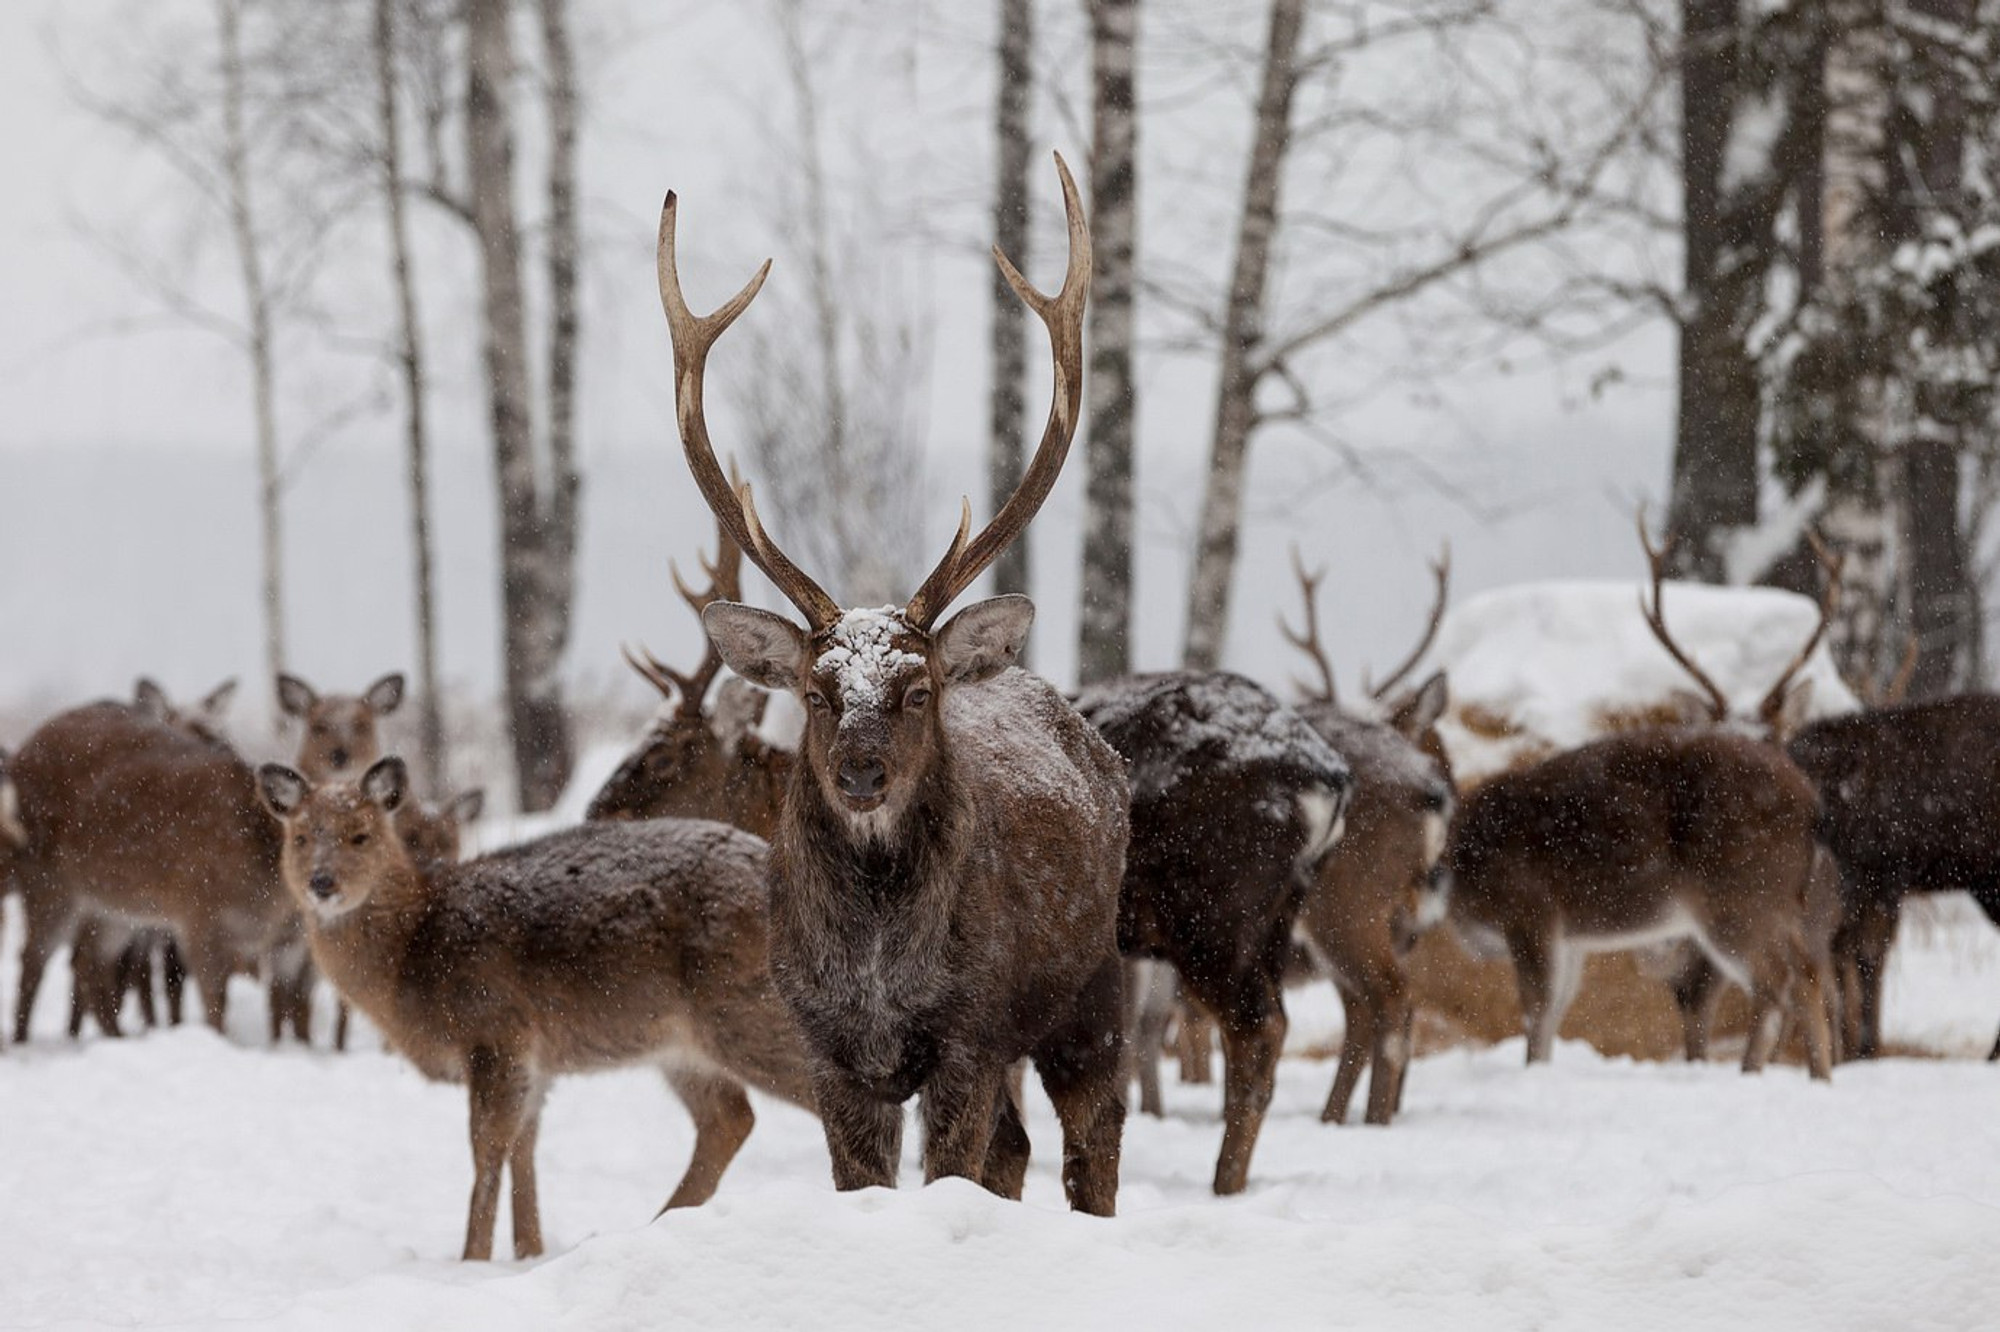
1691,709
1420,709
151,700
385,782
763,648
283,789
985,638
385,694
739,710
218,699
295,696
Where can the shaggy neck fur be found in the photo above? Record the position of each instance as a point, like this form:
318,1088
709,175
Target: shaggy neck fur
893,854
362,950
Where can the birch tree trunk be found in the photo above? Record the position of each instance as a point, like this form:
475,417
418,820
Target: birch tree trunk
1105,622
534,617
565,250
1242,331
410,358
257,304
1007,444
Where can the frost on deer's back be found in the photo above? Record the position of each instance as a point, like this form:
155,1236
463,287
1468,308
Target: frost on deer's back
1021,735
1164,723
863,656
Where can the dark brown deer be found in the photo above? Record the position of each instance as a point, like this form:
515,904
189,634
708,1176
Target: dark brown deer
945,869
1700,833
1235,803
1695,979
701,762
603,946
152,826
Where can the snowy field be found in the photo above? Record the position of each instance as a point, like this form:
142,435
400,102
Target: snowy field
179,1179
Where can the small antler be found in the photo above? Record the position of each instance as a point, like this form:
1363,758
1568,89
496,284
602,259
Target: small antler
1063,314
1831,564
1441,574
1656,559
1309,641
735,511
1898,687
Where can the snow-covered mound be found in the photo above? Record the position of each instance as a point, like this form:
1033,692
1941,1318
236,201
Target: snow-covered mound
1541,667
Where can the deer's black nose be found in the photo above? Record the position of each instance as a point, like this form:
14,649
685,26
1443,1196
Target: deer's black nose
862,781
339,758
321,884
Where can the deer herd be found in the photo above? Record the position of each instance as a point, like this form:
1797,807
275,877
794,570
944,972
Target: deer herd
958,871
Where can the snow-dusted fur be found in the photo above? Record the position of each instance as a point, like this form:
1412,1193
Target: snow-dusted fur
1641,839
1235,801
714,766
1373,896
602,946
965,923
145,823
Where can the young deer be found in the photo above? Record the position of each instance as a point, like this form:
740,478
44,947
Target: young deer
1696,833
152,826
1235,803
945,869
699,762
341,735
599,947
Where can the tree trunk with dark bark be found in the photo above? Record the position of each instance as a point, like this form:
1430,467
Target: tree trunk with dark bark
1242,331
1006,442
1105,625
534,613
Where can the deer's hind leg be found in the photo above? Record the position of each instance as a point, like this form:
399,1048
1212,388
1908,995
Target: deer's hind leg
722,1122
526,1198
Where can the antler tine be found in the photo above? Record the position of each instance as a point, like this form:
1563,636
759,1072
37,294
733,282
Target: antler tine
1832,563
693,336
1063,314
649,668
1308,642
1441,574
1898,687
1656,560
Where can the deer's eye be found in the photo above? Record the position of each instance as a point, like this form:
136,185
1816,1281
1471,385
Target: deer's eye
359,839
299,841
816,700
917,698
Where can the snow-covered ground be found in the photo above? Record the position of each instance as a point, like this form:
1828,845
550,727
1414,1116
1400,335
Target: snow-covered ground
179,1178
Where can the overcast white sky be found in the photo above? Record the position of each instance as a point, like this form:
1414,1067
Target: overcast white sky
126,526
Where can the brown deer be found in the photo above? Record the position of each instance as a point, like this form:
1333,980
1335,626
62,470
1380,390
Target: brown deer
1384,886
152,826
341,735
701,762
1657,835
604,946
1235,803
1782,709
945,869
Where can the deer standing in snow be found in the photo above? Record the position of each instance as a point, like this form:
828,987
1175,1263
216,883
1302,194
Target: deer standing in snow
602,946
945,869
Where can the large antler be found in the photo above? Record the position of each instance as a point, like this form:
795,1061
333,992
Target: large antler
1309,642
1656,560
725,583
1441,573
1063,314
735,511
1831,564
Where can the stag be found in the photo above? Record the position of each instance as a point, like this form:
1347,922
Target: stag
1383,887
701,762
944,872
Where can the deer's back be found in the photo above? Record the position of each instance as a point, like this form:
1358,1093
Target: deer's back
1590,834
1912,793
593,946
